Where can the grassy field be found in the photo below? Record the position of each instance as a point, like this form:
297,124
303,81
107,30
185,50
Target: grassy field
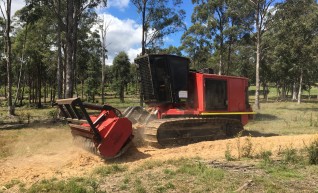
188,175
293,170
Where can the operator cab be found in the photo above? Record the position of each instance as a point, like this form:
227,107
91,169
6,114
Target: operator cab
164,77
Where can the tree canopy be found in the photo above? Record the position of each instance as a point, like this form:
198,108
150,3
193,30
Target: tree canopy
55,51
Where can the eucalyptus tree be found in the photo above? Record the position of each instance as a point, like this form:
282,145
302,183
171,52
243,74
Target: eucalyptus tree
35,46
88,51
244,60
121,71
28,16
212,17
293,41
159,18
172,50
3,76
59,15
195,44
104,27
67,15
93,65
261,10
217,27
6,14
236,32
75,10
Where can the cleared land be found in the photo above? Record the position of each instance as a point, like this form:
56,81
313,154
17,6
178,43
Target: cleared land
270,156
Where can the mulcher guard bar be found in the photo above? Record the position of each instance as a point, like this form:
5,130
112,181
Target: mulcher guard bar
110,133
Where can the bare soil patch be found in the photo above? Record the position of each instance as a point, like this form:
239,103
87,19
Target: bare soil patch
49,152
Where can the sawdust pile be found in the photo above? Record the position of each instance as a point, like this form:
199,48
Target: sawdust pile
51,153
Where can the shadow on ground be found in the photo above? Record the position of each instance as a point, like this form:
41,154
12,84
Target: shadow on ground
132,155
258,134
264,117
299,109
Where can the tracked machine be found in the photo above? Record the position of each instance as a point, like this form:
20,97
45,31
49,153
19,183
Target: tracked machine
183,106
190,106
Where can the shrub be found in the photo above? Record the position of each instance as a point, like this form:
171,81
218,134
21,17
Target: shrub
53,114
312,151
290,155
227,154
265,156
247,149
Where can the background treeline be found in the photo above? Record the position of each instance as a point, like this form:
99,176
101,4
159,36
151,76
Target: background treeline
55,53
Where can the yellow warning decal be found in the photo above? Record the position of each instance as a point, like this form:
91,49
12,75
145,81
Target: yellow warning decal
229,113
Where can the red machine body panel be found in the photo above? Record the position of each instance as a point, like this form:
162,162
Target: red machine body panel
114,132
211,94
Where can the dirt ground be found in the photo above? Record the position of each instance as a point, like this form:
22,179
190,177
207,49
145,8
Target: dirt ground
58,157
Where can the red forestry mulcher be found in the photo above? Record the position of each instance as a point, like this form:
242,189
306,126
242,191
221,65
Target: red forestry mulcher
110,133
184,106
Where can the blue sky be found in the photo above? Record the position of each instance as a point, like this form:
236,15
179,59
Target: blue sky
126,12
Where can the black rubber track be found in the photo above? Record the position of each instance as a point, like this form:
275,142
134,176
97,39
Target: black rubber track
181,131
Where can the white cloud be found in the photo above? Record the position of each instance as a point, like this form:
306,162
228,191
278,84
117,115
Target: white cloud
132,53
122,35
16,5
120,4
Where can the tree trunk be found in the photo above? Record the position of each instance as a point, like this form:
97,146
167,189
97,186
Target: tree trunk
221,54
265,91
82,84
75,48
220,64
30,90
143,41
45,92
51,95
21,65
69,49
284,91
300,86
258,50
229,59
9,57
59,73
22,92
39,86
103,79
121,93
35,92
5,89
103,32
64,73
19,82
294,97
143,45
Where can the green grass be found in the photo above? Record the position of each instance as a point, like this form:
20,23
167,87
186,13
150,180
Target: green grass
185,175
107,170
72,185
272,95
285,118
181,175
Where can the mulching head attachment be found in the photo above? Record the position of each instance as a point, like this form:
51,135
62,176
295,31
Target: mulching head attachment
110,133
